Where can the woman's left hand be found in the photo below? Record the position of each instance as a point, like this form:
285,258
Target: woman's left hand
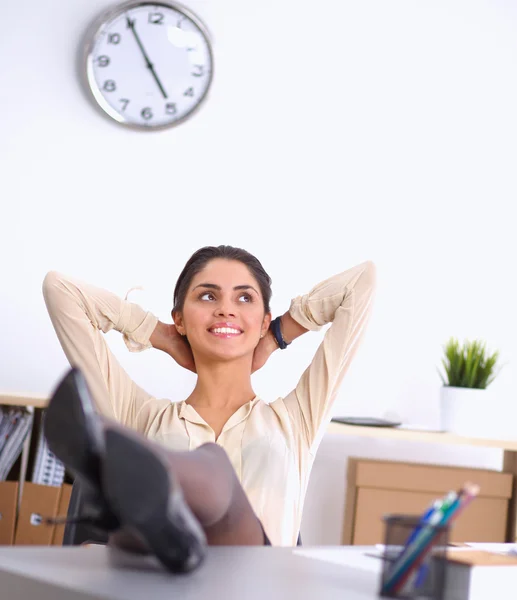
263,351
166,338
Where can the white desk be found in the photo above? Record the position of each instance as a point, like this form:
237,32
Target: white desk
394,433
228,573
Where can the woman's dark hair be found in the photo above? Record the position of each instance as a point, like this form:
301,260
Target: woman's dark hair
201,257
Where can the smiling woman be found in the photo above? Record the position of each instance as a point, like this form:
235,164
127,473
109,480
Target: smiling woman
222,466
213,312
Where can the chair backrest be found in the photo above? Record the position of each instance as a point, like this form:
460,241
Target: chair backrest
78,533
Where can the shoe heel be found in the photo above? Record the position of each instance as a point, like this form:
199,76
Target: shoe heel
74,434
70,427
142,494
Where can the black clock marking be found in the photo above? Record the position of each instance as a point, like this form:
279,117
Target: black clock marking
200,70
103,61
189,92
148,63
114,38
156,18
109,85
125,101
147,113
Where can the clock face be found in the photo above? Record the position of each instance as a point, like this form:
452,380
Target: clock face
148,66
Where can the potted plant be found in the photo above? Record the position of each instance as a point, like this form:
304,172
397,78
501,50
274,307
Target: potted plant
469,370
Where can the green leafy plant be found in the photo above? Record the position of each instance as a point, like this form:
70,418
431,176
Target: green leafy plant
468,365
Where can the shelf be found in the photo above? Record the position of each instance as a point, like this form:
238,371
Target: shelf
437,437
15,399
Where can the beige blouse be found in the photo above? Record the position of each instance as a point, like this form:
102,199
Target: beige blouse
271,446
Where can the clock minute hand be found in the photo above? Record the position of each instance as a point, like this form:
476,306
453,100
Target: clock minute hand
149,64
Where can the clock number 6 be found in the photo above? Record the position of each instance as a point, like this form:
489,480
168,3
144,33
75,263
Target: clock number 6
146,113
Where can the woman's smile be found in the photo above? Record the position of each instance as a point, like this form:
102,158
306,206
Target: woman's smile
225,330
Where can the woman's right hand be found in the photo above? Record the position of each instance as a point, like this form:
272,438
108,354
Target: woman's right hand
166,338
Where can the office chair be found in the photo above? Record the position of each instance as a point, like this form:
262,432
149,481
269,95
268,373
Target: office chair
78,533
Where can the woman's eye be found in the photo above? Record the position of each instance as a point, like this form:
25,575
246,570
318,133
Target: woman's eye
209,296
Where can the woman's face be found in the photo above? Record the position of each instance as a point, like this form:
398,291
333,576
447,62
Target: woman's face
223,314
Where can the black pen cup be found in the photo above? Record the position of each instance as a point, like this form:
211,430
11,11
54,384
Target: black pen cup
414,558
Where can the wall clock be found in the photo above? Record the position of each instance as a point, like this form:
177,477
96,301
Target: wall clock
148,65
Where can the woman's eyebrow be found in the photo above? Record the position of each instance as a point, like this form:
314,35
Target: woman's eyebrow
213,286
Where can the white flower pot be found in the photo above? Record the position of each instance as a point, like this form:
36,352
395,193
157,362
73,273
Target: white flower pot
464,411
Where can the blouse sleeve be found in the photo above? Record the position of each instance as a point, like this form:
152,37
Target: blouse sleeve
345,301
79,313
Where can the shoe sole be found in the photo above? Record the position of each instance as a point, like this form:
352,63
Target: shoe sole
146,499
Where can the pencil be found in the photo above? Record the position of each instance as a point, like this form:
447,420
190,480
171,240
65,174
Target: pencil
411,557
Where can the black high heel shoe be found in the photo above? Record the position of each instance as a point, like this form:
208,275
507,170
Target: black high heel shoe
148,500
74,434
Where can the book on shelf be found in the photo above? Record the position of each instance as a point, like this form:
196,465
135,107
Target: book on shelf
15,426
47,469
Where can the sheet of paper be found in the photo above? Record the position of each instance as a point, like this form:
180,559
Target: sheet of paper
355,557
417,427
499,548
493,547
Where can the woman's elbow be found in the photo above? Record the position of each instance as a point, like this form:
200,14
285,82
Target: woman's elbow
52,283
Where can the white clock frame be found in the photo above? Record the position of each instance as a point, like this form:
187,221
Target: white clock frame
94,39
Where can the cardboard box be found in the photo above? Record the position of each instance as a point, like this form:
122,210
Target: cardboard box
8,498
38,502
377,488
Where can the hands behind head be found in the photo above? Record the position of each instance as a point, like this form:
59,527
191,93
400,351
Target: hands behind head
166,338
181,351
263,351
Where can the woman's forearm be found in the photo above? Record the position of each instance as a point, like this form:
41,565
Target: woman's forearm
318,307
160,336
290,328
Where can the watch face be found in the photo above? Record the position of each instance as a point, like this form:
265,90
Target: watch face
148,66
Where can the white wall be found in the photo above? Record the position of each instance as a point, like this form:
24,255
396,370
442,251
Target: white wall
335,132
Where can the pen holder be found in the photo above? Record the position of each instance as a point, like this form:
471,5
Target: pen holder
414,558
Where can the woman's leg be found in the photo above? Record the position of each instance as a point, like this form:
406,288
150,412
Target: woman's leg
206,477
215,496
168,502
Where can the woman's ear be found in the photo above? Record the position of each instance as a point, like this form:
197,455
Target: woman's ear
265,324
177,317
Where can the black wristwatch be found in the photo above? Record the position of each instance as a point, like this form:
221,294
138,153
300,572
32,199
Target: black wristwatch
277,333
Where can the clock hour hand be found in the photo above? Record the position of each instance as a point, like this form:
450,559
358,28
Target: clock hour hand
148,63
